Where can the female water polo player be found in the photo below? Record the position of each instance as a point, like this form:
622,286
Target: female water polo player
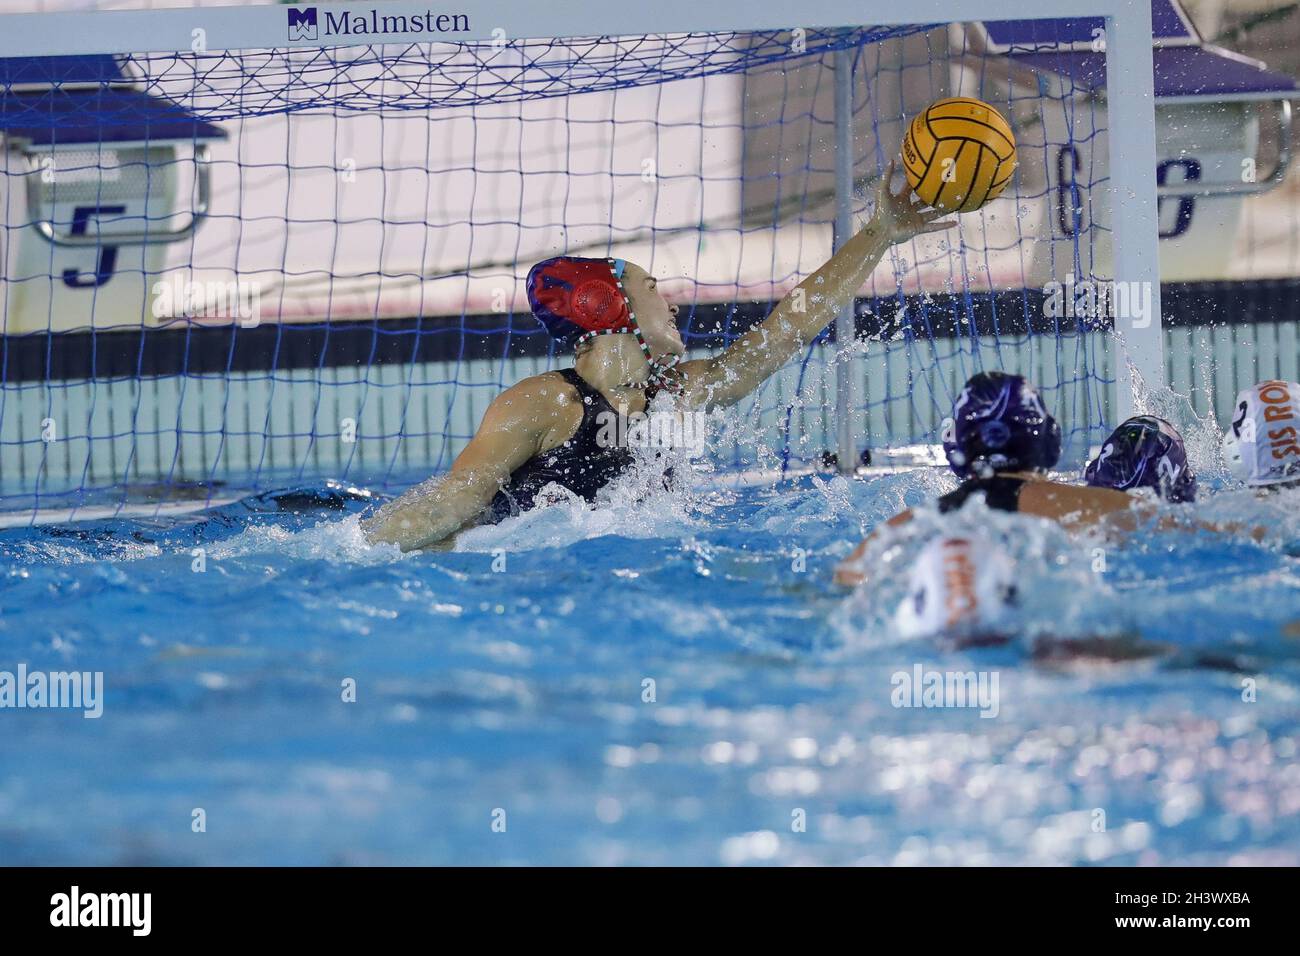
547,429
959,588
1000,443
1144,452
966,590
1262,445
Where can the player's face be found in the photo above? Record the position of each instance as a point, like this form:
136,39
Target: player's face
658,319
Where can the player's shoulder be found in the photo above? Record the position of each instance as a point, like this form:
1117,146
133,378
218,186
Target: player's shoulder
547,385
1058,496
536,397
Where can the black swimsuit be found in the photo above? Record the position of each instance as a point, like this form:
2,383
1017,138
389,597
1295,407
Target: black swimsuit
1001,492
582,464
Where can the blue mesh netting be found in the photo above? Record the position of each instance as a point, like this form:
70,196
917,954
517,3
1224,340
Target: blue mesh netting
348,301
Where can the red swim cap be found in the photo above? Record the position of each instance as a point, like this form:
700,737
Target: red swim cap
573,297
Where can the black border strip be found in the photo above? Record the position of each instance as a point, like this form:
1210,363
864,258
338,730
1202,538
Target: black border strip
216,350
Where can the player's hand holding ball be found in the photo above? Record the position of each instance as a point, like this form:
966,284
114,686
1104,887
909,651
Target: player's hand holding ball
901,215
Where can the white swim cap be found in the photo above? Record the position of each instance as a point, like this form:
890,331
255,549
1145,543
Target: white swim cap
960,586
1262,445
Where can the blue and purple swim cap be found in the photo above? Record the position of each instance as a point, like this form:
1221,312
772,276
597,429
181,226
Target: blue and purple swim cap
1144,452
999,424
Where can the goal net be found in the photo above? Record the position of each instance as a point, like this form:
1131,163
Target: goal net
232,270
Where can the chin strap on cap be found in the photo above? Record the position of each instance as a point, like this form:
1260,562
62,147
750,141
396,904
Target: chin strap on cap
661,374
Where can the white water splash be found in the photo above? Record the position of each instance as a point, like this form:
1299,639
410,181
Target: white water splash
1201,435
666,493
338,541
1060,595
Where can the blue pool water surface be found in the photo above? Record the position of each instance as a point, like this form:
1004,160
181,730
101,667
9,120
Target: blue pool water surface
505,713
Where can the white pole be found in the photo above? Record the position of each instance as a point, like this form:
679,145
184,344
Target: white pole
1130,105
846,366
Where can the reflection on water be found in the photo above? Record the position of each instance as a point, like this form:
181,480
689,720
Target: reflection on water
670,678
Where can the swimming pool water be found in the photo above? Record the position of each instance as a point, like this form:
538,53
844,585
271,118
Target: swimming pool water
518,694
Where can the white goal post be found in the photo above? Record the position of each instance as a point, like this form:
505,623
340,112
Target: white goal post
1138,353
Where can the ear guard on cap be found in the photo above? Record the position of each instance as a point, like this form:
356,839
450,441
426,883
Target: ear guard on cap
1231,448
597,303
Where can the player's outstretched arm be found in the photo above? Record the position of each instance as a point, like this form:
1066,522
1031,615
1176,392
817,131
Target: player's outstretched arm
811,305
513,430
